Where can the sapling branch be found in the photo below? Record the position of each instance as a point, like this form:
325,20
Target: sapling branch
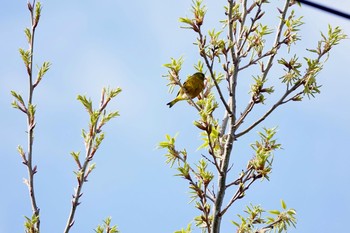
32,224
92,142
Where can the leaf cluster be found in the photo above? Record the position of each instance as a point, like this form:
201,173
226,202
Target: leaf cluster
106,227
256,222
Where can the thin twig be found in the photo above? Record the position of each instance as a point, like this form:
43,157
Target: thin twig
31,121
210,67
245,113
253,62
213,153
254,19
282,100
270,53
83,171
226,114
81,180
246,173
277,104
269,227
276,43
239,193
210,197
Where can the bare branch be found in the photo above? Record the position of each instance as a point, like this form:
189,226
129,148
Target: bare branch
277,104
277,38
239,193
245,113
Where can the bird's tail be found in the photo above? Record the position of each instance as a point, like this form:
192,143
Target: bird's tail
172,103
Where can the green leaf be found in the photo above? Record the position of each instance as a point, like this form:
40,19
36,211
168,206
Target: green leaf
86,102
31,110
175,64
114,92
275,212
75,155
199,66
98,140
42,71
18,97
187,230
109,116
235,223
186,21
37,12
107,227
204,145
78,174
20,150
291,212
283,204
92,166
26,56
28,35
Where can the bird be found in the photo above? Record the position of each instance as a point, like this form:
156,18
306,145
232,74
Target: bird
191,88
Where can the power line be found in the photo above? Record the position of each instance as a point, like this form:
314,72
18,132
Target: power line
327,9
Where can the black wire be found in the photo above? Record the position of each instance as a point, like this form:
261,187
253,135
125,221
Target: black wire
327,9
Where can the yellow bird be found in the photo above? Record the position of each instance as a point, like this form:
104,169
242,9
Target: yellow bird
192,87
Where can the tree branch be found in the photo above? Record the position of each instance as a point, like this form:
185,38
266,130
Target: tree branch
231,112
277,104
245,113
32,169
240,192
210,67
277,39
92,141
268,227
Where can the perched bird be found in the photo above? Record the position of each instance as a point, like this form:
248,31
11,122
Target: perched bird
191,88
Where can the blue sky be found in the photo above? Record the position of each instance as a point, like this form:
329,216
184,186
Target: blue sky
93,44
